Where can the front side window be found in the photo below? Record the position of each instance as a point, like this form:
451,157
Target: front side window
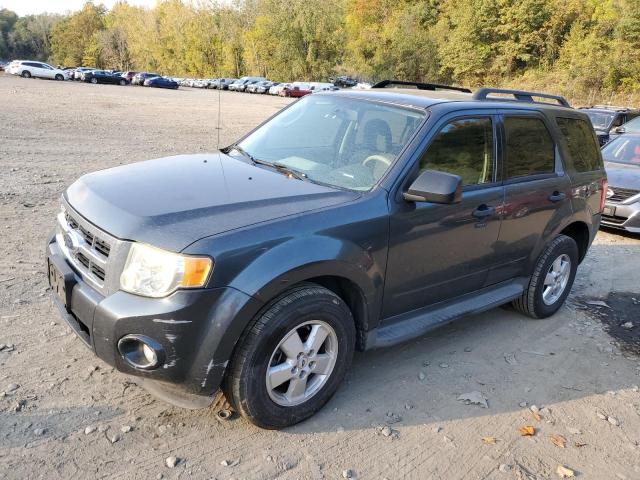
583,147
463,147
335,140
529,148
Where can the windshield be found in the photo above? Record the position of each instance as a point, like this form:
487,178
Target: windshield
334,140
601,120
624,149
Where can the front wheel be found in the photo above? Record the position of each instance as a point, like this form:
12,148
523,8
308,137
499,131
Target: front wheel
94,80
292,359
122,83
26,74
59,77
552,279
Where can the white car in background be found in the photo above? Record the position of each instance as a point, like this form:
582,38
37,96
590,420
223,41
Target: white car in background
31,68
276,89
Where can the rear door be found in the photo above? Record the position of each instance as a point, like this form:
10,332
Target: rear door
537,191
437,252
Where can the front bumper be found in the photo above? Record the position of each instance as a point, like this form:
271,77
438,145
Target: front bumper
197,330
621,216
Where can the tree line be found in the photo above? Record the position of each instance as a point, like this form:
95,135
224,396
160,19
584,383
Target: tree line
585,49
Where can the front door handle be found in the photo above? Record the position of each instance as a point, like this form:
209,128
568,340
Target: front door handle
557,196
484,211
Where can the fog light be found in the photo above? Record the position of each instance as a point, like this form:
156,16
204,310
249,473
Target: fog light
141,352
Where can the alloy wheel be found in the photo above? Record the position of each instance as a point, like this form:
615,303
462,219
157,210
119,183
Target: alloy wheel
556,279
302,363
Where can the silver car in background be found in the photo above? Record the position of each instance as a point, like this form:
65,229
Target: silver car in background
622,162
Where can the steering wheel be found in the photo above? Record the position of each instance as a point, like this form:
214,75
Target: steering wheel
376,158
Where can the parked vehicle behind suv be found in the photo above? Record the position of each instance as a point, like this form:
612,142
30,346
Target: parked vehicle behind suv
607,119
622,162
30,68
349,220
102,76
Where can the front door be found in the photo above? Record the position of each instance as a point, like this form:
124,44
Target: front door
437,252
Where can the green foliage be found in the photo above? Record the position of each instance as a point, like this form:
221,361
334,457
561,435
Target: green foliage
586,49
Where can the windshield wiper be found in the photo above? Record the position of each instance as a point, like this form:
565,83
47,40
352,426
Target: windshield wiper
290,171
278,166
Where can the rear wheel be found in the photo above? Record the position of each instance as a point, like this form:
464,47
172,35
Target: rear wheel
552,279
26,74
122,82
94,80
59,77
292,359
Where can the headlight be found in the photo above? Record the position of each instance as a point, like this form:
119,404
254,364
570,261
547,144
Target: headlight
152,272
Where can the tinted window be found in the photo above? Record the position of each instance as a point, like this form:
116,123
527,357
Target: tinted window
464,148
529,147
582,145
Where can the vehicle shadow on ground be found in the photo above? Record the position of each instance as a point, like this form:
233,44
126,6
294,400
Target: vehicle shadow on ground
506,356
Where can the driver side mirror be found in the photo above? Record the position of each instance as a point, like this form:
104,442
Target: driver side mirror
620,130
435,187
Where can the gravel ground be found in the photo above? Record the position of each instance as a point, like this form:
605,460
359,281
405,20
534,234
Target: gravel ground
65,414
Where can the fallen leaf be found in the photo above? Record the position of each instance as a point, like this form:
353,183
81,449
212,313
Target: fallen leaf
527,431
558,441
580,444
536,415
564,472
489,440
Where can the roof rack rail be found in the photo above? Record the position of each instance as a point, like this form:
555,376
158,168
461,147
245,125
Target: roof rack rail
518,96
419,85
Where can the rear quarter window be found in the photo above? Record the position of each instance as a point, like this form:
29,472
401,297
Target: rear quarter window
581,143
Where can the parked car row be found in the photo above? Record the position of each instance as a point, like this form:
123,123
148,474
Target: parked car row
258,85
249,84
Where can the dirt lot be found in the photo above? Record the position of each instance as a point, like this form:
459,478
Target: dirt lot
584,384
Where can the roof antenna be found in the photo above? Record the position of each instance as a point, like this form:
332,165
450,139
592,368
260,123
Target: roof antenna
218,127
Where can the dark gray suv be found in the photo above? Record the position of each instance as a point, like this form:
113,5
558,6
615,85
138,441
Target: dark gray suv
349,220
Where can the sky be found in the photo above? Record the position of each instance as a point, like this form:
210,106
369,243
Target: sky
28,7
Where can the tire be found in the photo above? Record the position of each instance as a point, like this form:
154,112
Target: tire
304,308
26,74
94,80
59,77
122,83
540,300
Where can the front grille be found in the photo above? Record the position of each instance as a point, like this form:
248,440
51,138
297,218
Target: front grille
86,247
622,194
613,219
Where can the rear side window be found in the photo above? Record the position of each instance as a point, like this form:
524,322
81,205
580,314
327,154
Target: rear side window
529,148
583,147
465,148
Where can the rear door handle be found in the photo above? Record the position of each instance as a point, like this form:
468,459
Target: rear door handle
484,211
557,196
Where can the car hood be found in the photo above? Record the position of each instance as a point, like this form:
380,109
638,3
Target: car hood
172,202
623,176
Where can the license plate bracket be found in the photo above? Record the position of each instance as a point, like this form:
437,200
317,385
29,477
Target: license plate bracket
61,280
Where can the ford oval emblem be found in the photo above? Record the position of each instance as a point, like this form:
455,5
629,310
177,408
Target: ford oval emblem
69,242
